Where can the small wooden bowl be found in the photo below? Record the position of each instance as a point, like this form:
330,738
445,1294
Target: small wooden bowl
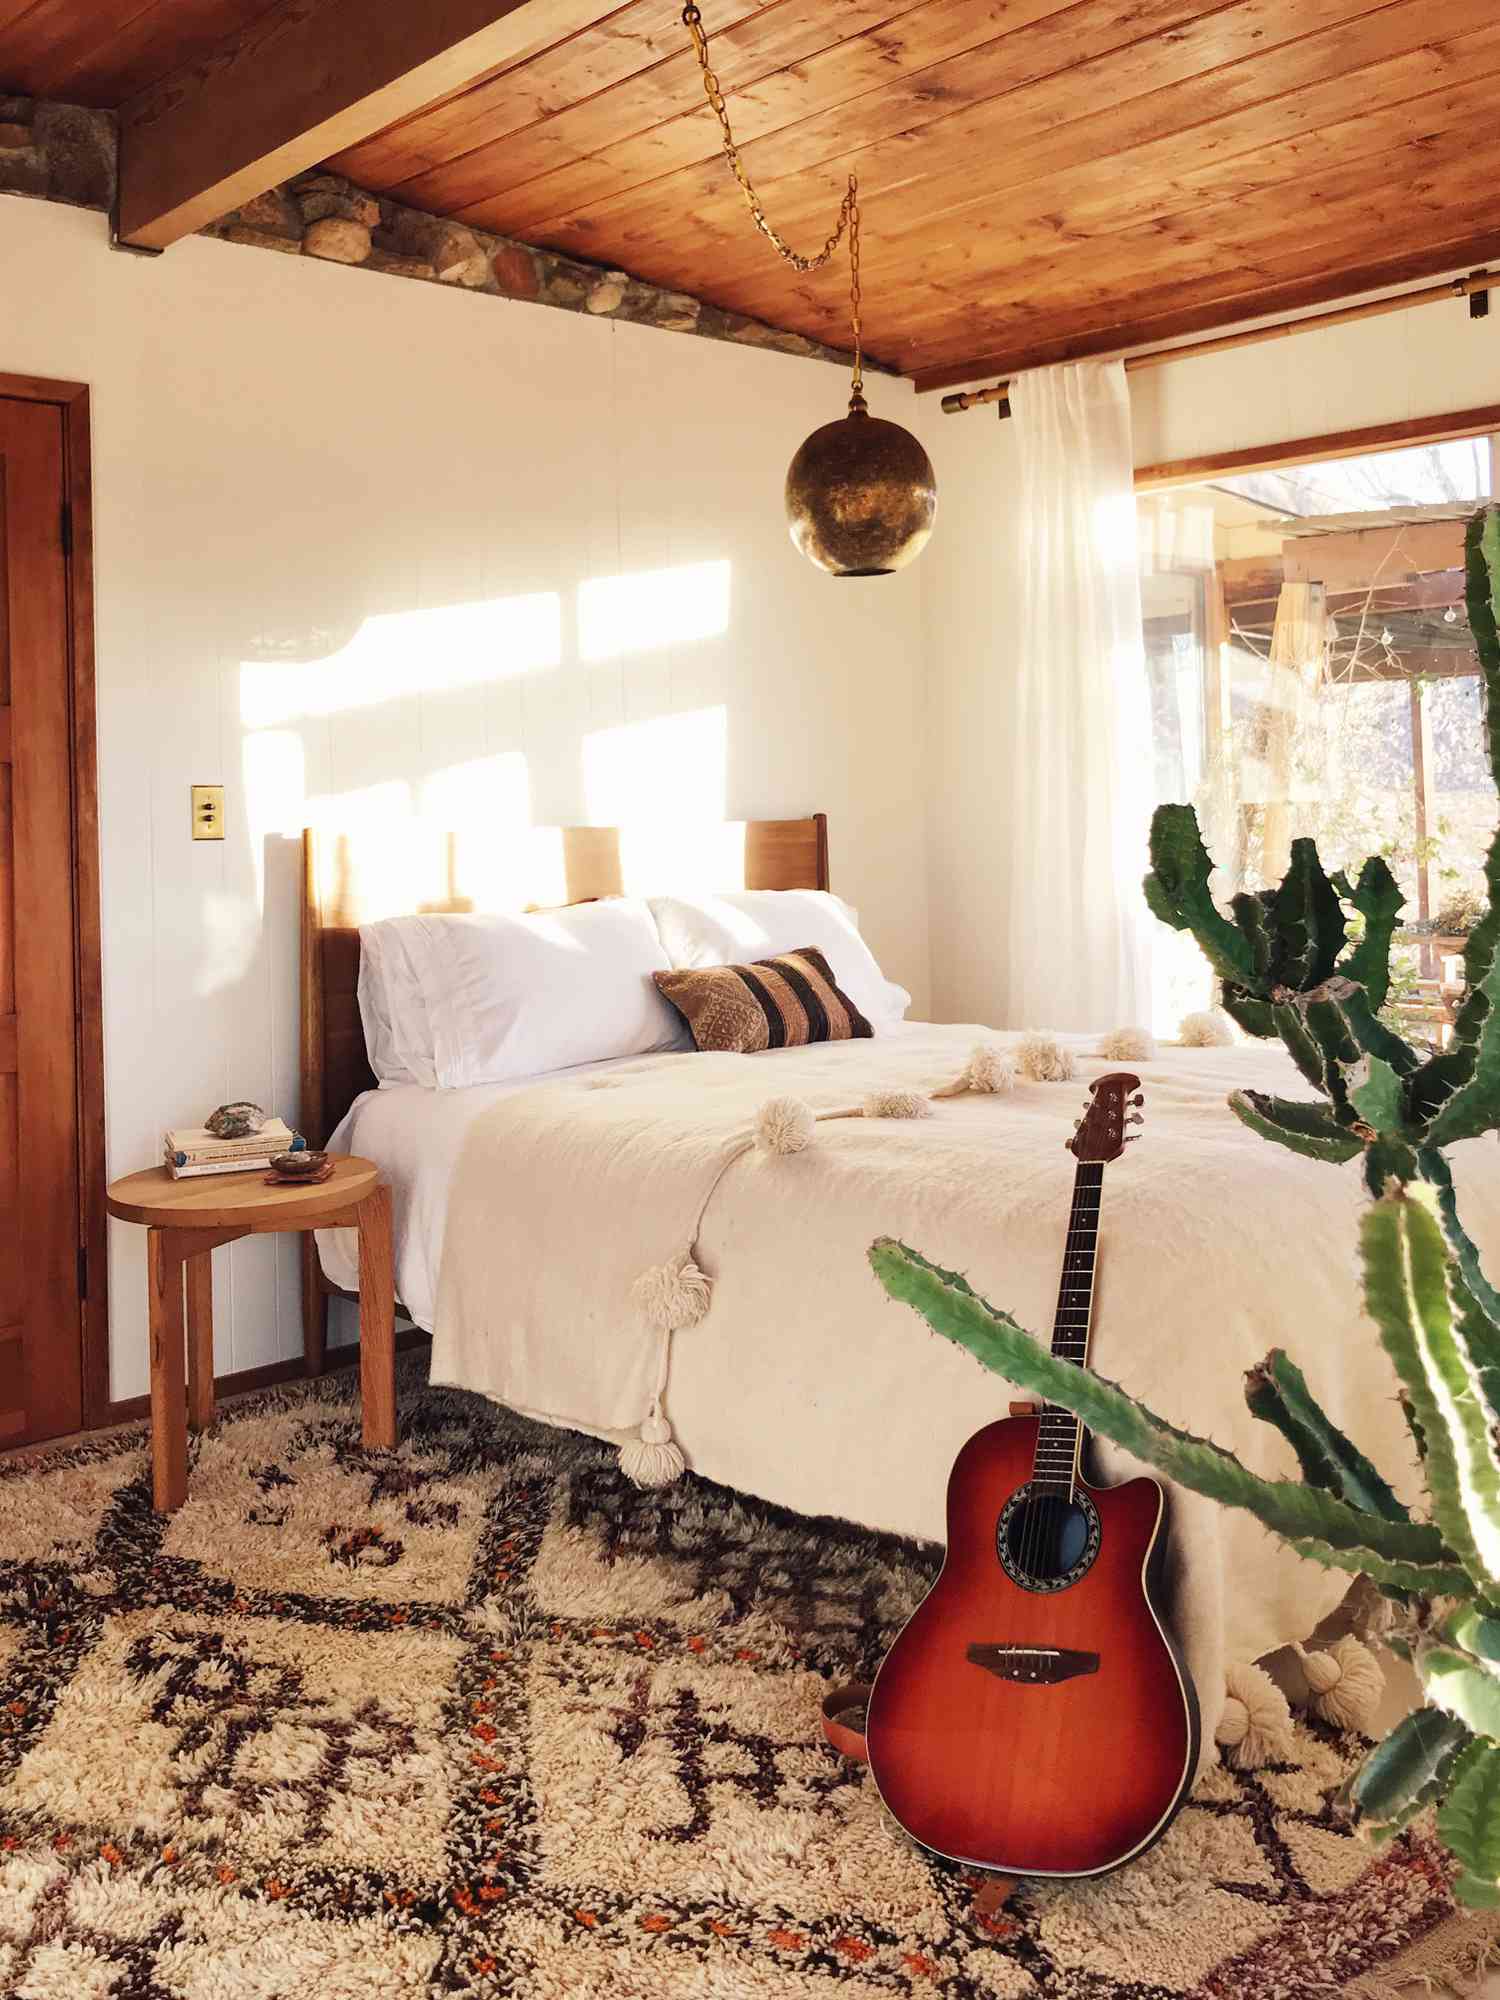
299,1166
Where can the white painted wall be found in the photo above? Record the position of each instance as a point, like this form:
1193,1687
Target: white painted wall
1422,362
288,454
1419,363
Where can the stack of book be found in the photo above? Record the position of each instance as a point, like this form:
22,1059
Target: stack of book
193,1150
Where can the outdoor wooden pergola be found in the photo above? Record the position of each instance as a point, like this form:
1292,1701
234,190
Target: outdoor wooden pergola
1389,590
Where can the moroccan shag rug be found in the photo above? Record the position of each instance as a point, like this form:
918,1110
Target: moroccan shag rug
477,1717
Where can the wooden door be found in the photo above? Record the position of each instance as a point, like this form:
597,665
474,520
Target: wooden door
41,1318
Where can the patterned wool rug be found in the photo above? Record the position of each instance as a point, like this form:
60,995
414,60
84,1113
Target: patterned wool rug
478,1717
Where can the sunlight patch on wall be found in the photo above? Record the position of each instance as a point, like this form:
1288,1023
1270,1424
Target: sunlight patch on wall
273,763
664,783
478,814
399,653
652,608
372,866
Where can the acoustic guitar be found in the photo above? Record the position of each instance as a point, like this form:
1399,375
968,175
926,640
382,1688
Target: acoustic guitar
1033,1716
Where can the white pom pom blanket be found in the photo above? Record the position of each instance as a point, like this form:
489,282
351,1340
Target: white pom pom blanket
802,1381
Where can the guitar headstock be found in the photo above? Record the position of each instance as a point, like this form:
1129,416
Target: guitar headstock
1100,1133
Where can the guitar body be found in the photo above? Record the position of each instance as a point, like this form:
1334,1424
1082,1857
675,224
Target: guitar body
1044,1727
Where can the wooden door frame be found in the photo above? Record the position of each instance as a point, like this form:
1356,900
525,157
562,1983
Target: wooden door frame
71,399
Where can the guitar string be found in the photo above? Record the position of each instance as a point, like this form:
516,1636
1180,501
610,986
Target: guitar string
1034,1532
1074,1250
1039,1541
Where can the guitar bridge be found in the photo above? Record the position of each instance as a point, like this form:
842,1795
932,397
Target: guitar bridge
1037,1665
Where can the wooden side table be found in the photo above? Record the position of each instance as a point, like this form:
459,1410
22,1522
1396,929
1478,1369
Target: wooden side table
187,1220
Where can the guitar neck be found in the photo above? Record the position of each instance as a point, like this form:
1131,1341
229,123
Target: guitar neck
1059,1436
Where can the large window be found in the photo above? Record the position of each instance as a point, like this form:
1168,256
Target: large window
1312,672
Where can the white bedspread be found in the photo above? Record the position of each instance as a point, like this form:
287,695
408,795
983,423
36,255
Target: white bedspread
804,1383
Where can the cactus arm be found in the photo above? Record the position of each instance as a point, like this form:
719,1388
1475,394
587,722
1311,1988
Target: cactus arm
1337,1050
1277,1392
1462,1085
1365,1027
1406,1294
1308,919
1456,1685
1256,1017
1435,1171
1300,1046
1377,896
1399,1771
1379,1099
1387,1160
1475,1632
1177,892
1405,1555
1302,1128
1468,1823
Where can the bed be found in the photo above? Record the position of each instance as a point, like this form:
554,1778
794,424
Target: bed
802,1383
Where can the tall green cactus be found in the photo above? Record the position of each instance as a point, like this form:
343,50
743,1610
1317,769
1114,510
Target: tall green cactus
1289,970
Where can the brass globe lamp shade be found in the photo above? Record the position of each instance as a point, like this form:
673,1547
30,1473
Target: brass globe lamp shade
860,495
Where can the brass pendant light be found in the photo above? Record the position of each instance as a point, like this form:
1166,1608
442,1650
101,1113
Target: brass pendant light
860,492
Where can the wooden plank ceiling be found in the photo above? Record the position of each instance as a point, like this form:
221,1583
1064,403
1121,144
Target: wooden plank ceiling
1038,180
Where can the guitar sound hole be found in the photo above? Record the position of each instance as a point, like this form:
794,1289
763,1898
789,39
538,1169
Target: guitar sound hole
1046,1541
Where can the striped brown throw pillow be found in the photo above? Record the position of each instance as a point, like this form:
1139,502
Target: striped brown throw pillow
776,1003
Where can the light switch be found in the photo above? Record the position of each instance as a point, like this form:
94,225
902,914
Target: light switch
208,812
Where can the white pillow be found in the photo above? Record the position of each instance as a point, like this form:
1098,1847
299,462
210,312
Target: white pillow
511,997
393,1007
747,924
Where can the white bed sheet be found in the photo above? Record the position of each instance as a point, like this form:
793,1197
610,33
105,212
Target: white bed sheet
414,1136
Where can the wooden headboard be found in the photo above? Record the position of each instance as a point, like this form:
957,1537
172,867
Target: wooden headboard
578,864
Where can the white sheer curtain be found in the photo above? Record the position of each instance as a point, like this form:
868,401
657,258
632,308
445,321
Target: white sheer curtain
1079,762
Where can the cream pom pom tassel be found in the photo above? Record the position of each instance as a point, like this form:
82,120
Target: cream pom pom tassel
784,1125
896,1104
1128,1045
668,1296
672,1295
1256,1726
1208,1030
989,1071
652,1458
1345,1682
1043,1059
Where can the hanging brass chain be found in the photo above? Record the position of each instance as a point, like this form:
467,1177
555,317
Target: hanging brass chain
851,203
692,20
848,216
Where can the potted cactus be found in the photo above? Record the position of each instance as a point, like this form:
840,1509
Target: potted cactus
1289,969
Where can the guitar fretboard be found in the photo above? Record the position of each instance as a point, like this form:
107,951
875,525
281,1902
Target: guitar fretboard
1056,1463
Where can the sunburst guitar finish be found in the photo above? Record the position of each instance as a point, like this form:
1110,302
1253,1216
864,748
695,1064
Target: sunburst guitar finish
1038,1731
1034,1717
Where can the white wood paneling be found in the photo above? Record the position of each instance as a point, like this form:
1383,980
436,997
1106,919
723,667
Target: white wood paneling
291,457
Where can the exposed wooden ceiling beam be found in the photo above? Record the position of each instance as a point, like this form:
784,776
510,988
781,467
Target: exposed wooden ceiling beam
307,79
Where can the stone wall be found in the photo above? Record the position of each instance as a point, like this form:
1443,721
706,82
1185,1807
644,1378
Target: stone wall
57,152
61,152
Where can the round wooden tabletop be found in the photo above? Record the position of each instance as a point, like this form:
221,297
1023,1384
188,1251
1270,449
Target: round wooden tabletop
237,1201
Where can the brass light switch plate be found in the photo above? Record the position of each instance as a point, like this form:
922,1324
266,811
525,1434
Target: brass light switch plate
208,812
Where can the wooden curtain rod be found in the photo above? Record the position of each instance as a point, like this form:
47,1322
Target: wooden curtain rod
1158,357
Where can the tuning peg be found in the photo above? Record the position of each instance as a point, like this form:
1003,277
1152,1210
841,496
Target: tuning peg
1131,1137
1135,1118
1139,1098
1077,1124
